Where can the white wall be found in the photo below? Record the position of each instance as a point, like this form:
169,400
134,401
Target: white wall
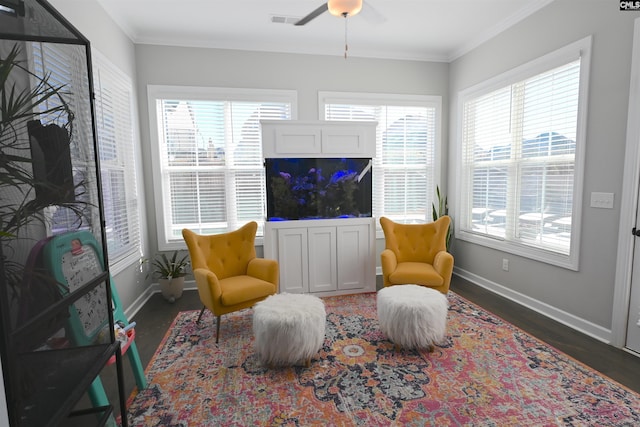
106,37
307,74
583,298
91,20
103,34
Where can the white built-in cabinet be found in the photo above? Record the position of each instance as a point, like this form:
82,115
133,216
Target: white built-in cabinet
318,139
325,256
330,256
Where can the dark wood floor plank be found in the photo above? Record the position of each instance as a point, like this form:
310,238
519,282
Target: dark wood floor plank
155,317
619,365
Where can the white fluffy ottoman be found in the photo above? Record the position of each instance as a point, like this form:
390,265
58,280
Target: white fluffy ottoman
412,316
288,328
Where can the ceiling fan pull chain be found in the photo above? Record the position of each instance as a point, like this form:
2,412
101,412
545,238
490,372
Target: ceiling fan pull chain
346,45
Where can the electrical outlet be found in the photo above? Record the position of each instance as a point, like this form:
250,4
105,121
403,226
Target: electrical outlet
602,200
505,264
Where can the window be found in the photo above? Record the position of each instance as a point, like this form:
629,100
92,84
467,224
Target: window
406,166
116,143
63,65
118,169
522,156
207,157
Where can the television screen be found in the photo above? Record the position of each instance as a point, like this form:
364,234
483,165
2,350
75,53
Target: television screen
318,188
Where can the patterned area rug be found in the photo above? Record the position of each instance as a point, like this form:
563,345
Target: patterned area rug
486,373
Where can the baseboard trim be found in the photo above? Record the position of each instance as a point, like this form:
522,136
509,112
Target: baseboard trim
581,325
139,302
153,288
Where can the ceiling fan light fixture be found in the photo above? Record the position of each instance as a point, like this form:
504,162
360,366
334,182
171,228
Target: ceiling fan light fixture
344,7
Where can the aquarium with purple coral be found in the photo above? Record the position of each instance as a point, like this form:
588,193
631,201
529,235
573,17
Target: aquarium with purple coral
318,188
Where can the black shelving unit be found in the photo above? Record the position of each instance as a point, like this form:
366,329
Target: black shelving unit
49,186
60,373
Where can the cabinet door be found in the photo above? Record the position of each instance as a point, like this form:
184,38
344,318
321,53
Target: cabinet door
297,140
354,256
293,259
322,259
343,141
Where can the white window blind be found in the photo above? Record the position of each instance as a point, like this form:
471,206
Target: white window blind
64,67
407,141
209,159
118,167
519,164
116,144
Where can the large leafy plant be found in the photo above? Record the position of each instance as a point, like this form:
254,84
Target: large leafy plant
442,210
17,109
20,105
169,268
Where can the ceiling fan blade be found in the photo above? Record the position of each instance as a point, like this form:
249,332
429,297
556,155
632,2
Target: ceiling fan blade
319,11
371,14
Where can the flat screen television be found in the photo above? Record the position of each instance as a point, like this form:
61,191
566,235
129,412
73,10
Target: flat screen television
318,188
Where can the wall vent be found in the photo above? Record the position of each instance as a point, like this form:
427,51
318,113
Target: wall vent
279,19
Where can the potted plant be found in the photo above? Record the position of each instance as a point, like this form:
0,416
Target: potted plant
443,209
170,272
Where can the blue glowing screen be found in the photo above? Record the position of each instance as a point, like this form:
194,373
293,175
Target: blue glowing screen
318,188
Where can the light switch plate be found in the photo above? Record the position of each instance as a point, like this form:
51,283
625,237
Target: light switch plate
602,200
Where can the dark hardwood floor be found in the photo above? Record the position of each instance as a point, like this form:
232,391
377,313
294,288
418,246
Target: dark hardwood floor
615,363
155,317
152,323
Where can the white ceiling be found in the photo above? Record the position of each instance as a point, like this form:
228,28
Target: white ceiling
429,30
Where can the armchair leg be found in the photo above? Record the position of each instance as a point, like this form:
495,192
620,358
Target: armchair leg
218,328
200,315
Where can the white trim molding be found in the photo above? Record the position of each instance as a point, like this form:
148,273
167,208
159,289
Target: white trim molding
579,324
628,203
154,288
580,49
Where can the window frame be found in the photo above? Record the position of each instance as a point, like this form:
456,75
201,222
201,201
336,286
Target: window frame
131,255
581,50
38,57
49,60
196,93
391,100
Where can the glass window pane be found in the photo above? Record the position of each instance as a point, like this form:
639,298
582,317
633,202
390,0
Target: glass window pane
404,167
211,158
519,160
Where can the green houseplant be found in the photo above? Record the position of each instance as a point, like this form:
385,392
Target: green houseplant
19,110
170,271
442,209
33,119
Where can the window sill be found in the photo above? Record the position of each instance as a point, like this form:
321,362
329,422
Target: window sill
570,262
123,263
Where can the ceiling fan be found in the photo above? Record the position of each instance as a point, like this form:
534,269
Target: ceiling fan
343,8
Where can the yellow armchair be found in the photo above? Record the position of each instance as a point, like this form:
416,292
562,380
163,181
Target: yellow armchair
228,274
417,254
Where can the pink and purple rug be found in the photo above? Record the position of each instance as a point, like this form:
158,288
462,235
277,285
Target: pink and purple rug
486,373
